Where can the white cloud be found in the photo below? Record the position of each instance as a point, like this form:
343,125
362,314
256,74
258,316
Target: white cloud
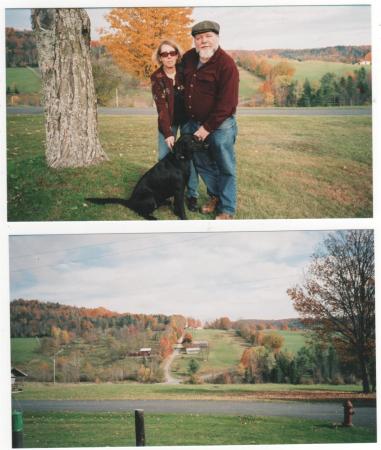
204,275
261,27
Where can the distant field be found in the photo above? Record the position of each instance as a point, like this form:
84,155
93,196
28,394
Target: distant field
225,351
314,70
27,81
293,340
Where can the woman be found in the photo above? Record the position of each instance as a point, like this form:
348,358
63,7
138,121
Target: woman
168,94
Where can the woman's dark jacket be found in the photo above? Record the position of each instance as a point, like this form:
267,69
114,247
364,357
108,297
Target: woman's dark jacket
169,99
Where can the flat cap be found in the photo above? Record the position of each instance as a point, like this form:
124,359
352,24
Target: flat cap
205,26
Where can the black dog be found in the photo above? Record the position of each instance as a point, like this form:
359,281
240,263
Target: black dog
167,178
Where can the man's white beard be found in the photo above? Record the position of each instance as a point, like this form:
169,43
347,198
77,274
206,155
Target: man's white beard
206,53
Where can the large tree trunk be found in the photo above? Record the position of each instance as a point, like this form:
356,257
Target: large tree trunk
63,43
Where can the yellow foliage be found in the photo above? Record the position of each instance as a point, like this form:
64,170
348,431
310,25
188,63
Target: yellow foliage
137,32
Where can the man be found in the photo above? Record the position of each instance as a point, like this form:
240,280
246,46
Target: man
211,98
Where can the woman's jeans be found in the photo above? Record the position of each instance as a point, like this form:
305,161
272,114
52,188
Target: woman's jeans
192,187
217,166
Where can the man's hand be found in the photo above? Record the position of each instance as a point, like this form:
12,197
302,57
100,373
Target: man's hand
170,141
201,133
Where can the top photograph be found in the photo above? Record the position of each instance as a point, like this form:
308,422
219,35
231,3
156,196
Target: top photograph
198,113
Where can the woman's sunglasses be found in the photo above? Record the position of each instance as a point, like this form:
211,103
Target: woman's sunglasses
166,54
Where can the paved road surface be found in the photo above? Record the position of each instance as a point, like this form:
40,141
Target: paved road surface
332,411
11,110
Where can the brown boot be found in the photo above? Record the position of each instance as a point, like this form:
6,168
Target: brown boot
224,216
210,206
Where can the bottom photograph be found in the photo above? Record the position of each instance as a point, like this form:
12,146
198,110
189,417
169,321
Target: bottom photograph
175,339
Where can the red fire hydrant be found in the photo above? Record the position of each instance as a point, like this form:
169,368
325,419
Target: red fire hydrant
348,413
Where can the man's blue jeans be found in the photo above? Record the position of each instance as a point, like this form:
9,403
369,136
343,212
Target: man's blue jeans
192,188
217,166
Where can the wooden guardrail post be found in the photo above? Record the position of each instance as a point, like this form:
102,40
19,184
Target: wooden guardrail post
139,428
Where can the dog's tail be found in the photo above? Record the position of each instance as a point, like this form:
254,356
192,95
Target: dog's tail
107,201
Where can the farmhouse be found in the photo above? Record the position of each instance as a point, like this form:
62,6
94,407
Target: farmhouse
146,351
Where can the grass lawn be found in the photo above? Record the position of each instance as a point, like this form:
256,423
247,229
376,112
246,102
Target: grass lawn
288,167
136,391
117,429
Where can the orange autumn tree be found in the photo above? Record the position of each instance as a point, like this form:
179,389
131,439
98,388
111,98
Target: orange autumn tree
136,33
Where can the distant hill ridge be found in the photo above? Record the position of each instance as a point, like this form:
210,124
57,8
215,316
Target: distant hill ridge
276,323
340,53
21,51
36,318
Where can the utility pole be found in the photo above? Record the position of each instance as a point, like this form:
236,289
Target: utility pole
54,364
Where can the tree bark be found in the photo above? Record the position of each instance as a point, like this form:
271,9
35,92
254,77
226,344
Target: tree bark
63,43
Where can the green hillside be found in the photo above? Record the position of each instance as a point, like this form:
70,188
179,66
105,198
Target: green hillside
105,359
293,340
314,69
24,350
26,80
248,84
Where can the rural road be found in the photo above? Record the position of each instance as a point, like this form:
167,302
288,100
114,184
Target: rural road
315,111
332,411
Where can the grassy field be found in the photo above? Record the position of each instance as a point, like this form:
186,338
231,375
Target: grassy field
288,167
136,391
117,429
225,351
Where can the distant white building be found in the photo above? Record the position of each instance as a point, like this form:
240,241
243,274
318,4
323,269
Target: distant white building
193,350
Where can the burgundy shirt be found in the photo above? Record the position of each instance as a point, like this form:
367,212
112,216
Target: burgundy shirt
163,95
211,92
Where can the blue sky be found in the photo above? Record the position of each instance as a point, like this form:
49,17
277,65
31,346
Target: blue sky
204,275
256,27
